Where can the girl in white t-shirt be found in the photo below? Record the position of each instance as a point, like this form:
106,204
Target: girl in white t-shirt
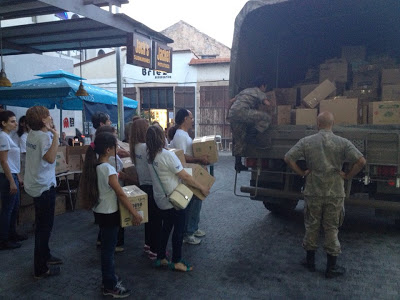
9,182
166,172
101,192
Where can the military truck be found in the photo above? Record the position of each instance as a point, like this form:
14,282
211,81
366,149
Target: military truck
281,40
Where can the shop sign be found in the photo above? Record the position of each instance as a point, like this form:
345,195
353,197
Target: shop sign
163,59
139,50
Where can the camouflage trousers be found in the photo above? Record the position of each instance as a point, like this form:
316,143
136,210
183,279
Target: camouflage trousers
328,212
241,121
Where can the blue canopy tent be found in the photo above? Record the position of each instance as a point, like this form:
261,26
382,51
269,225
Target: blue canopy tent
58,88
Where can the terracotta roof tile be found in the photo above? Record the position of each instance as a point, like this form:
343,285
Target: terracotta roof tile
207,61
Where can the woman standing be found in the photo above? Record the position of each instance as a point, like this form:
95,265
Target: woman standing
9,182
182,140
39,183
138,150
166,172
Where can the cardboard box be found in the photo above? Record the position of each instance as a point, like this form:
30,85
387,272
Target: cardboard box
138,198
391,92
179,153
364,109
283,115
305,116
390,76
319,93
352,53
74,163
206,145
334,70
366,80
202,176
384,112
346,111
286,96
363,95
124,145
61,164
59,207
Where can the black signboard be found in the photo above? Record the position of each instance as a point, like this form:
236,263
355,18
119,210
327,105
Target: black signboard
139,50
163,58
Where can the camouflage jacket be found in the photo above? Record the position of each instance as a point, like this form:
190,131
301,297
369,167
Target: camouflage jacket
247,99
324,154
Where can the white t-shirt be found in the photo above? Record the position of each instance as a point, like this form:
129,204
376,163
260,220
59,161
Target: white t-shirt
142,167
13,155
183,141
22,142
39,174
120,164
166,164
108,202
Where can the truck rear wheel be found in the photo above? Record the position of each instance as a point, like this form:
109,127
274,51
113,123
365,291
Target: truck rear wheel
280,206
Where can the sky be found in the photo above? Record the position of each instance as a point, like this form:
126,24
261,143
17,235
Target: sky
215,18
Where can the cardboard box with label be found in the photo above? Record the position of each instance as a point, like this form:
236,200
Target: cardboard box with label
202,176
390,76
391,92
305,116
74,157
206,145
319,93
179,153
346,111
61,164
283,115
138,198
334,70
384,112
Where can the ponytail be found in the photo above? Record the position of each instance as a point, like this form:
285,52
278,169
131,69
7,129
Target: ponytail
88,188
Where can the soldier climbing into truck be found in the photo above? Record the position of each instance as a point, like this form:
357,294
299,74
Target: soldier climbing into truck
247,120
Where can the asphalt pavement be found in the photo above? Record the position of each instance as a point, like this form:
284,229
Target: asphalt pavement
247,253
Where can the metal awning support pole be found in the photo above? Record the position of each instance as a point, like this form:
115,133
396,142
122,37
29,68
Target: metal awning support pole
61,119
120,96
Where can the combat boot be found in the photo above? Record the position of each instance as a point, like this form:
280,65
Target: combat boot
309,263
332,270
238,164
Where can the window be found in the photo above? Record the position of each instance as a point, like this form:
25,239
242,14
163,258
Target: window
157,98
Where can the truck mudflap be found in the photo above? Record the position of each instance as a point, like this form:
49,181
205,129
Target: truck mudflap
351,201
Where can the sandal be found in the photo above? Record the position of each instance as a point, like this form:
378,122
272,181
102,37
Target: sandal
161,263
180,266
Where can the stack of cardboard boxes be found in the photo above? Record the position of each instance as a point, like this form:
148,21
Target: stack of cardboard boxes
355,89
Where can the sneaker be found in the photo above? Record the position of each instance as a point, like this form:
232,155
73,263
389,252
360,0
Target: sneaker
52,271
54,261
9,245
19,237
118,292
119,249
146,248
151,255
191,239
199,233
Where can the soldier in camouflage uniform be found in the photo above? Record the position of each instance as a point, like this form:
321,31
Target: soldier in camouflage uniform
324,193
246,120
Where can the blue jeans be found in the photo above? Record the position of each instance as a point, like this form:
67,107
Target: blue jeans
44,219
172,218
109,235
9,208
193,216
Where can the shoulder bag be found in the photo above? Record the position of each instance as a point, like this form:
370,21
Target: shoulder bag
180,196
